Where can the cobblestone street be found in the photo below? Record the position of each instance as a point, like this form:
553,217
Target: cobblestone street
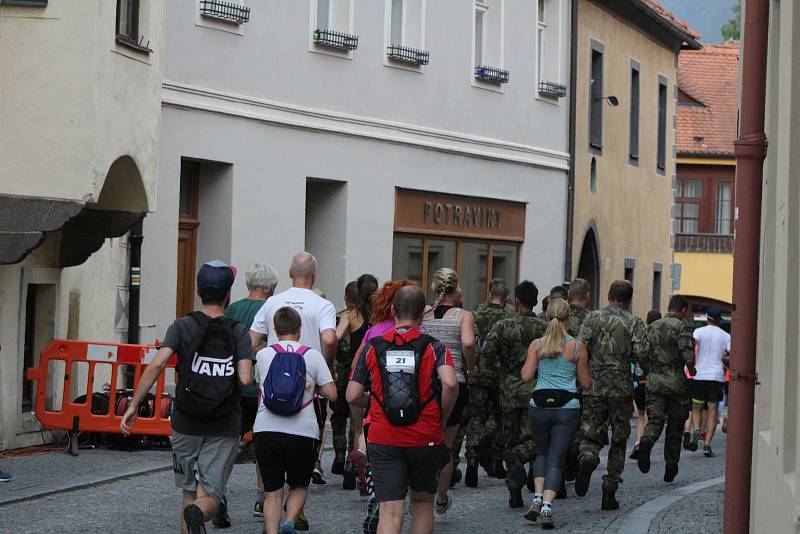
149,502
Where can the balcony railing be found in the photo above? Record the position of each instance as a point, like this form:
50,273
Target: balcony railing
552,89
406,54
491,74
714,243
227,11
333,39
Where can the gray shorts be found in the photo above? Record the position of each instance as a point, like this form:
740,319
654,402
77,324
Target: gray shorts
204,459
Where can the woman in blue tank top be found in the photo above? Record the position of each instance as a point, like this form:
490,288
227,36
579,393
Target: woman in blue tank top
555,409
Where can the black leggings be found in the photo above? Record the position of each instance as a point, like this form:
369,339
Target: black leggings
553,430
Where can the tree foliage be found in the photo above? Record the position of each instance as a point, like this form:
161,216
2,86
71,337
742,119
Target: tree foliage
732,30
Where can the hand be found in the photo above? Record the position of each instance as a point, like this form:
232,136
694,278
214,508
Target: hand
128,419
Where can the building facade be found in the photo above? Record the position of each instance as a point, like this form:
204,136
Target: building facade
705,194
392,137
625,104
80,108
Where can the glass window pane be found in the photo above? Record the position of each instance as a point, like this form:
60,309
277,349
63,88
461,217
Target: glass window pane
397,22
407,259
540,55
480,16
440,254
474,272
541,11
323,14
723,215
689,226
504,263
691,211
692,188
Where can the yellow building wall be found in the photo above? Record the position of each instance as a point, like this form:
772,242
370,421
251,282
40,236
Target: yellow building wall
706,275
631,208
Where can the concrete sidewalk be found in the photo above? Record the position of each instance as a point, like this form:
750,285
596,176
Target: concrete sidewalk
699,513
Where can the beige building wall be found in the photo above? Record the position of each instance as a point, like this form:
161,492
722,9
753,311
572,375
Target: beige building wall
775,491
631,208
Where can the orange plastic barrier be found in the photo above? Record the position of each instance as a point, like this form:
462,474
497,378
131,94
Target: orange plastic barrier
77,416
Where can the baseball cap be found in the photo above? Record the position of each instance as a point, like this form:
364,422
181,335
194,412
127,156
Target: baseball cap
714,314
215,278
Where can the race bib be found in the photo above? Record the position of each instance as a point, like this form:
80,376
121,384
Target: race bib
400,361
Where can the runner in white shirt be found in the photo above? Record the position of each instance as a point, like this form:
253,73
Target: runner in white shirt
713,346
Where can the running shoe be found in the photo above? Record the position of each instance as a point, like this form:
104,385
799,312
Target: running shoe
707,452
222,519
533,512
193,516
287,528
258,509
5,477
370,524
349,477
440,509
693,440
316,476
725,425
301,523
546,519
359,460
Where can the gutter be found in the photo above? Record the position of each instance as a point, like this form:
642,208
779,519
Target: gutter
573,92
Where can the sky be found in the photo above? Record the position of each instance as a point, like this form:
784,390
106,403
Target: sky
704,16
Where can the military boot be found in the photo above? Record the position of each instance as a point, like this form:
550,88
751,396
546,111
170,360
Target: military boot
670,472
515,498
515,467
337,468
584,476
349,480
609,500
471,478
645,446
531,486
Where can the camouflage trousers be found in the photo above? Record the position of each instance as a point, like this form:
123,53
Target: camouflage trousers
340,415
482,429
596,412
518,438
671,410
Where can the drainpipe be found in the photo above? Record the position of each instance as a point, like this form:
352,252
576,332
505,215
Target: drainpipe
135,239
573,81
750,149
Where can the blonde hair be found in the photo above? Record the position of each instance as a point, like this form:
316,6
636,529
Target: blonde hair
445,281
553,340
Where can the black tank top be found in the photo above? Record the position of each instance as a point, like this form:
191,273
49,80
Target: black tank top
356,337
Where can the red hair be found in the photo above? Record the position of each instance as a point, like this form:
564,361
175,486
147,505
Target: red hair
382,299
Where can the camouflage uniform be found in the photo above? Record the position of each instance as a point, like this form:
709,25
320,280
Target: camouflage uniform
613,337
340,410
507,344
671,348
577,314
484,403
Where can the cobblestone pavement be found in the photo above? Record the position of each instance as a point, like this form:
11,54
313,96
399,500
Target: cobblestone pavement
149,503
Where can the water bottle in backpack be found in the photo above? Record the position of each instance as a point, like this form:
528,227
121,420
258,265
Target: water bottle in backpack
399,369
284,386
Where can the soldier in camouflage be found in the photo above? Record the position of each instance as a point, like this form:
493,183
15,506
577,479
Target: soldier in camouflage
484,404
613,338
507,344
671,348
557,292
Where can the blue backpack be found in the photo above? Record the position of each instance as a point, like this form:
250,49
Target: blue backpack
285,383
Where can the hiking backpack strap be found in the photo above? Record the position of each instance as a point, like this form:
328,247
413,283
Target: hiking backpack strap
380,346
419,345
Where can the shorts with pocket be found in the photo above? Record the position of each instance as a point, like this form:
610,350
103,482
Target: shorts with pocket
459,414
396,469
285,459
706,391
207,460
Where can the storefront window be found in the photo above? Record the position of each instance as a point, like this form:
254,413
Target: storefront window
440,254
474,272
407,259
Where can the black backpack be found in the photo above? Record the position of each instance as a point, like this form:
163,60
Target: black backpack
399,367
208,382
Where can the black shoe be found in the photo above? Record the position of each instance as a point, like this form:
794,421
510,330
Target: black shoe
562,491
531,487
515,498
193,516
609,500
456,477
707,452
515,467
571,465
670,472
645,446
471,478
635,452
687,440
584,476
370,524
337,468
316,475
349,477
222,519
499,471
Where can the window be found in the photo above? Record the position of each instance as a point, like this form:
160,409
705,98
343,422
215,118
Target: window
593,176
690,195
324,15
633,142
630,267
548,73
405,34
657,268
127,27
480,31
596,97
396,37
662,124
724,209
488,71
541,27
332,27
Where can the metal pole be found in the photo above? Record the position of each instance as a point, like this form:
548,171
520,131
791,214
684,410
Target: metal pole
750,151
573,91
134,281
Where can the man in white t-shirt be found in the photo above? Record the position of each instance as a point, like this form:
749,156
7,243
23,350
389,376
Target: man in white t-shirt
713,347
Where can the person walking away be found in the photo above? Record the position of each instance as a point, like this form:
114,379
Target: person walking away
671,349
214,362
317,315
286,427
640,392
613,338
554,407
342,439
579,296
407,429
508,344
484,407
455,329
556,292
713,347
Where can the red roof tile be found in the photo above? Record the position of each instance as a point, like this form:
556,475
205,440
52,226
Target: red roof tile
670,17
707,118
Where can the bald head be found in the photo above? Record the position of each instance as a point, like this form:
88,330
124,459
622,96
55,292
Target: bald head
303,270
408,304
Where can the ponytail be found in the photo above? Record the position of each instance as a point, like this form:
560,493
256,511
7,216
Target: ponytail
367,286
553,340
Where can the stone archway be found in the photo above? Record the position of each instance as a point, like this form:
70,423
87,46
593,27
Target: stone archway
589,264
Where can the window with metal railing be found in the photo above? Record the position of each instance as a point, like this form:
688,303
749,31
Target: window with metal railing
491,74
226,11
334,39
127,26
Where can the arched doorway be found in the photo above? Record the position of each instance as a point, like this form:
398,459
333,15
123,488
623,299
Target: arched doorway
589,265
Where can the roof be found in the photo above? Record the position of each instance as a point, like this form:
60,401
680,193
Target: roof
677,25
707,101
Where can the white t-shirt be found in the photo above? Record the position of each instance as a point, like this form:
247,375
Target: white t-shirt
303,423
316,313
712,344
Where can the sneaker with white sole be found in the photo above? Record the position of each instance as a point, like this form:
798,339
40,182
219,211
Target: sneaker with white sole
440,509
6,477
